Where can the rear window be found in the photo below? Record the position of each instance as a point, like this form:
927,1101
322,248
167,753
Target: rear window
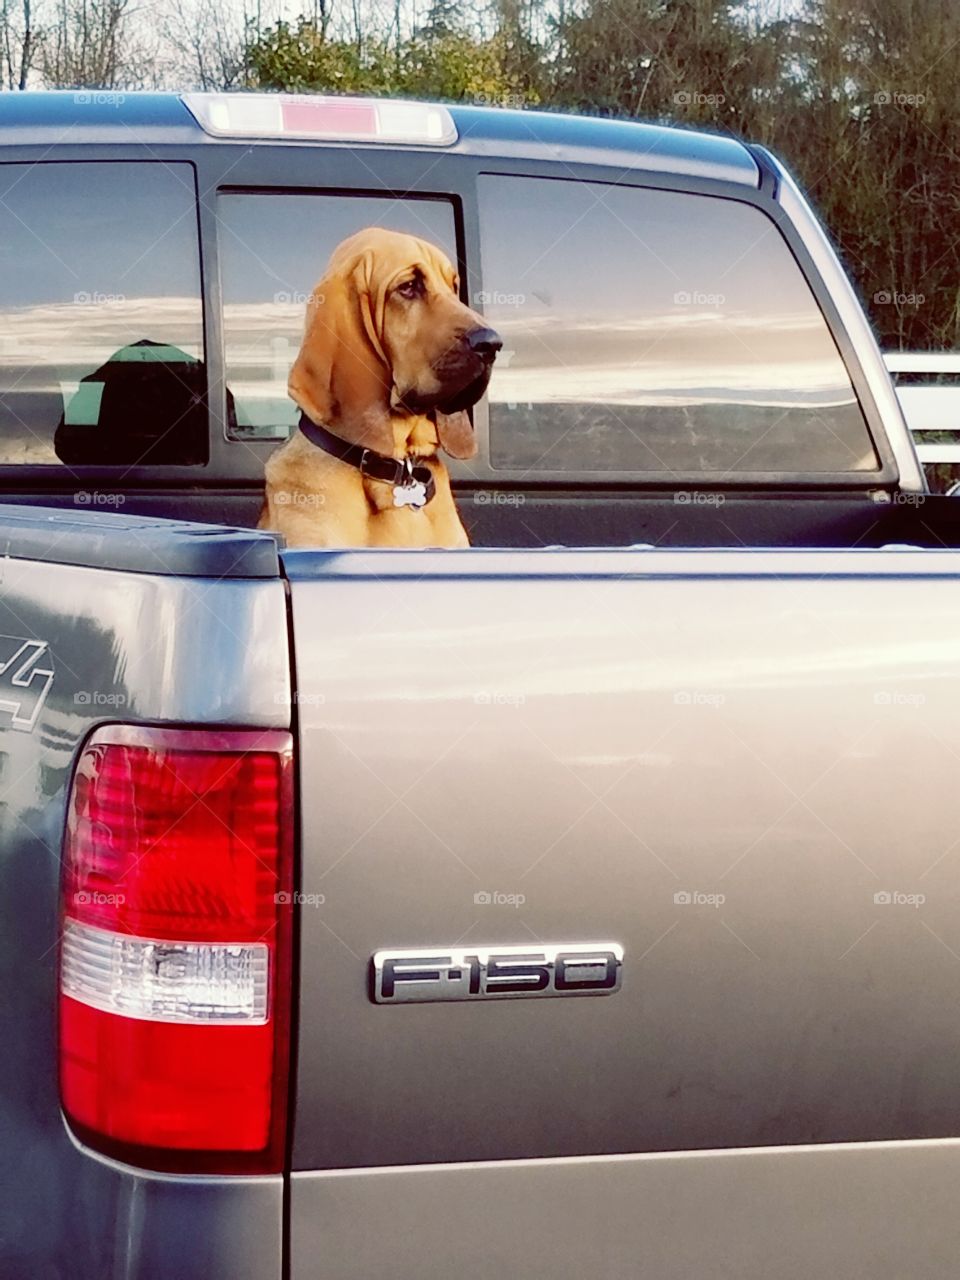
101,321
273,250
655,331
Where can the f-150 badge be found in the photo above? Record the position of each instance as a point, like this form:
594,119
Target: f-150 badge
496,973
26,674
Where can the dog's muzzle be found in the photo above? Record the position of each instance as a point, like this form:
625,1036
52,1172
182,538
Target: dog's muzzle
463,375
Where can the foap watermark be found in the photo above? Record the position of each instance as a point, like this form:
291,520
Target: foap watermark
495,698
698,698
94,898
498,298
299,899
96,299
892,297
299,698
98,698
498,498
294,298
512,101
896,898
99,98
693,98
484,898
697,298
97,498
893,98
297,498
697,498
900,499
696,898
893,698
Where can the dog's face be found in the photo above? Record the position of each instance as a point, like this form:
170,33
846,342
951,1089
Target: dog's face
387,336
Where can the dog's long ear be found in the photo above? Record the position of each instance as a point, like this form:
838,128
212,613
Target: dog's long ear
340,379
456,435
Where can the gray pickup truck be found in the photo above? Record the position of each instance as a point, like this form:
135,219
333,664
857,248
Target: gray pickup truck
657,772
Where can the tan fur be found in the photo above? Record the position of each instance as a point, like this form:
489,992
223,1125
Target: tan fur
365,346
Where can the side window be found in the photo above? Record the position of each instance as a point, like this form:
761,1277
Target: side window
656,331
101,320
273,250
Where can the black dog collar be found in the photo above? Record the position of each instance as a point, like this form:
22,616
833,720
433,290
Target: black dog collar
413,486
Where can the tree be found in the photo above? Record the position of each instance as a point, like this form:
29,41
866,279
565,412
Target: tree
89,44
301,57
17,42
208,42
878,145
653,57
433,62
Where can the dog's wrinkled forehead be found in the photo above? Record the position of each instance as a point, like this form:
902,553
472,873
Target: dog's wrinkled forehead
377,258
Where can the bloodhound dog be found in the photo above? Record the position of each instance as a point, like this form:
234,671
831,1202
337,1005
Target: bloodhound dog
391,360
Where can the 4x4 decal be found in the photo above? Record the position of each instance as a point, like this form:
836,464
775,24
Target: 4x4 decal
26,674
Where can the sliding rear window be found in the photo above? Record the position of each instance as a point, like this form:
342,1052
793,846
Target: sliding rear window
274,249
656,332
101,319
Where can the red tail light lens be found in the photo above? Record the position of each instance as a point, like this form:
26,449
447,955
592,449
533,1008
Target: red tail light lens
176,953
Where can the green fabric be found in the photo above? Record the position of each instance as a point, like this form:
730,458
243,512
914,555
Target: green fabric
152,351
84,407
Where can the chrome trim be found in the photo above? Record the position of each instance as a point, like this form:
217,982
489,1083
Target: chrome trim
426,974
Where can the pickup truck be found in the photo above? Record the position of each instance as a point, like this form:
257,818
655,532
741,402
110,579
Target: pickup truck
656,772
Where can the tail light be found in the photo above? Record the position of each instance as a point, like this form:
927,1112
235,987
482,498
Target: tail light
176,949
337,119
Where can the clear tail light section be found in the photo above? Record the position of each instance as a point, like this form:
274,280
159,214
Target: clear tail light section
175,968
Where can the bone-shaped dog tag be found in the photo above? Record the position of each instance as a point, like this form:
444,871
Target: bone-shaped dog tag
410,495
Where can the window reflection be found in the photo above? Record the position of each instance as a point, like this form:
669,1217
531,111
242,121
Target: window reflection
656,331
101,330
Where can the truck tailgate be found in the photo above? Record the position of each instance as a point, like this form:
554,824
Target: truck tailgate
737,766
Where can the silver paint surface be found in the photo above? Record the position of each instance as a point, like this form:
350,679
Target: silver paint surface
733,763
122,646
873,1212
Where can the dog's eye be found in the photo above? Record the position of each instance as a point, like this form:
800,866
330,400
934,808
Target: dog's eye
409,289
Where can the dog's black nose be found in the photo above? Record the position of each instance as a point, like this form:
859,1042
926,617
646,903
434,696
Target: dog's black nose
485,343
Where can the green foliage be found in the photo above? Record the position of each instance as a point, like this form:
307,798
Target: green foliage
450,65
300,58
455,67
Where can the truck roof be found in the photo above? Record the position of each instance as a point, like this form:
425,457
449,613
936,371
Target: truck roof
113,116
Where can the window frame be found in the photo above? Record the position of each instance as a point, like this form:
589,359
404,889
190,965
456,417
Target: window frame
119,476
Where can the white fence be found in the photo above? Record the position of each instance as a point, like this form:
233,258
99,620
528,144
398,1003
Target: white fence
929,406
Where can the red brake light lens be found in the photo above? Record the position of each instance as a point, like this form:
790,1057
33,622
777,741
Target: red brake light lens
175,964
340,117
